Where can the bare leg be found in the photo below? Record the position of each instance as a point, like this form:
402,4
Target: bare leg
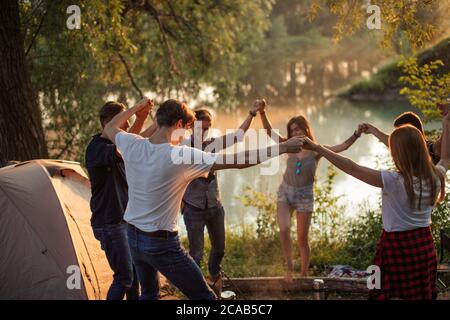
303,223
284,222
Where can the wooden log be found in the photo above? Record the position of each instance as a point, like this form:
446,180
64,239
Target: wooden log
277,284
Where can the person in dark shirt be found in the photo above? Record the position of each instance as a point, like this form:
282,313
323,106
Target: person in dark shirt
201,202
109,200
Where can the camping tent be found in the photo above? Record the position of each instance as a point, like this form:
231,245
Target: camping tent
45,234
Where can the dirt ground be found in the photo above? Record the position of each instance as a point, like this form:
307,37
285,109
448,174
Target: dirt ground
303,296
170,293
309,296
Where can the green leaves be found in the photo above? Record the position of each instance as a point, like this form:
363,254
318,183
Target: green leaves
266,224
440,218
167,48
425,87
415,19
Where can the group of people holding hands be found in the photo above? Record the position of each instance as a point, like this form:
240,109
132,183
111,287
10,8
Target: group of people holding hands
138,191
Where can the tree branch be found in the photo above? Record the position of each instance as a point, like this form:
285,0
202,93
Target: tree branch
130,75
33,39
68,144
26,18
153,12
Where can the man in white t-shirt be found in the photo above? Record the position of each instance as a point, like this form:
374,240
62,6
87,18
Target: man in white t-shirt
158,173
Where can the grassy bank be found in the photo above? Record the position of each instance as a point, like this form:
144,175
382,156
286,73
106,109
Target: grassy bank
385,85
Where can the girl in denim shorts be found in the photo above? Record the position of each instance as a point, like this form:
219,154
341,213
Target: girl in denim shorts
296,191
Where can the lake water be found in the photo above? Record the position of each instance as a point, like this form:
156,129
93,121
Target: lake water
332,122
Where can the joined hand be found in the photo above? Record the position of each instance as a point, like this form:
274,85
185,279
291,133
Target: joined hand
145,106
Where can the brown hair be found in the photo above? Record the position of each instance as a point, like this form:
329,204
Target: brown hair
109,110
303,124
203,114
171,111
411,158
409,118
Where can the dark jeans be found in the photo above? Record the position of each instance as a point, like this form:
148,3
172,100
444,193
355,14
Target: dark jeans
114,241
214,220
167,256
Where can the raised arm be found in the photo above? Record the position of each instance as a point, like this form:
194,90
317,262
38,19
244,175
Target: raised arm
268,126
347,143
367,175
223,142
141,116
380,135
254,157
113,126
251,114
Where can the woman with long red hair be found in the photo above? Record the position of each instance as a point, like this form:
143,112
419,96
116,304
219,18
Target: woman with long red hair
405,252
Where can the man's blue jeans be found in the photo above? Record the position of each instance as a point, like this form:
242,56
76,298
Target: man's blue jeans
214,220
167,256
114,241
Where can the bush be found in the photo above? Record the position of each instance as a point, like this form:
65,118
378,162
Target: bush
386,78
250,256
441,219
425,86
362,238
266,222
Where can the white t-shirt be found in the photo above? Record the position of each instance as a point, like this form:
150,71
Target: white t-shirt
157,178
397,214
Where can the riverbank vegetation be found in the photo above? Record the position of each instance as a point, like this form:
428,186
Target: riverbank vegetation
334,238
400,76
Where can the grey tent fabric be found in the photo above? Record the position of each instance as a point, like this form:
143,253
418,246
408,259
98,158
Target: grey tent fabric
44,230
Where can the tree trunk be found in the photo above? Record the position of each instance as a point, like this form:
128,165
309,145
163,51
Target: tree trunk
21,132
